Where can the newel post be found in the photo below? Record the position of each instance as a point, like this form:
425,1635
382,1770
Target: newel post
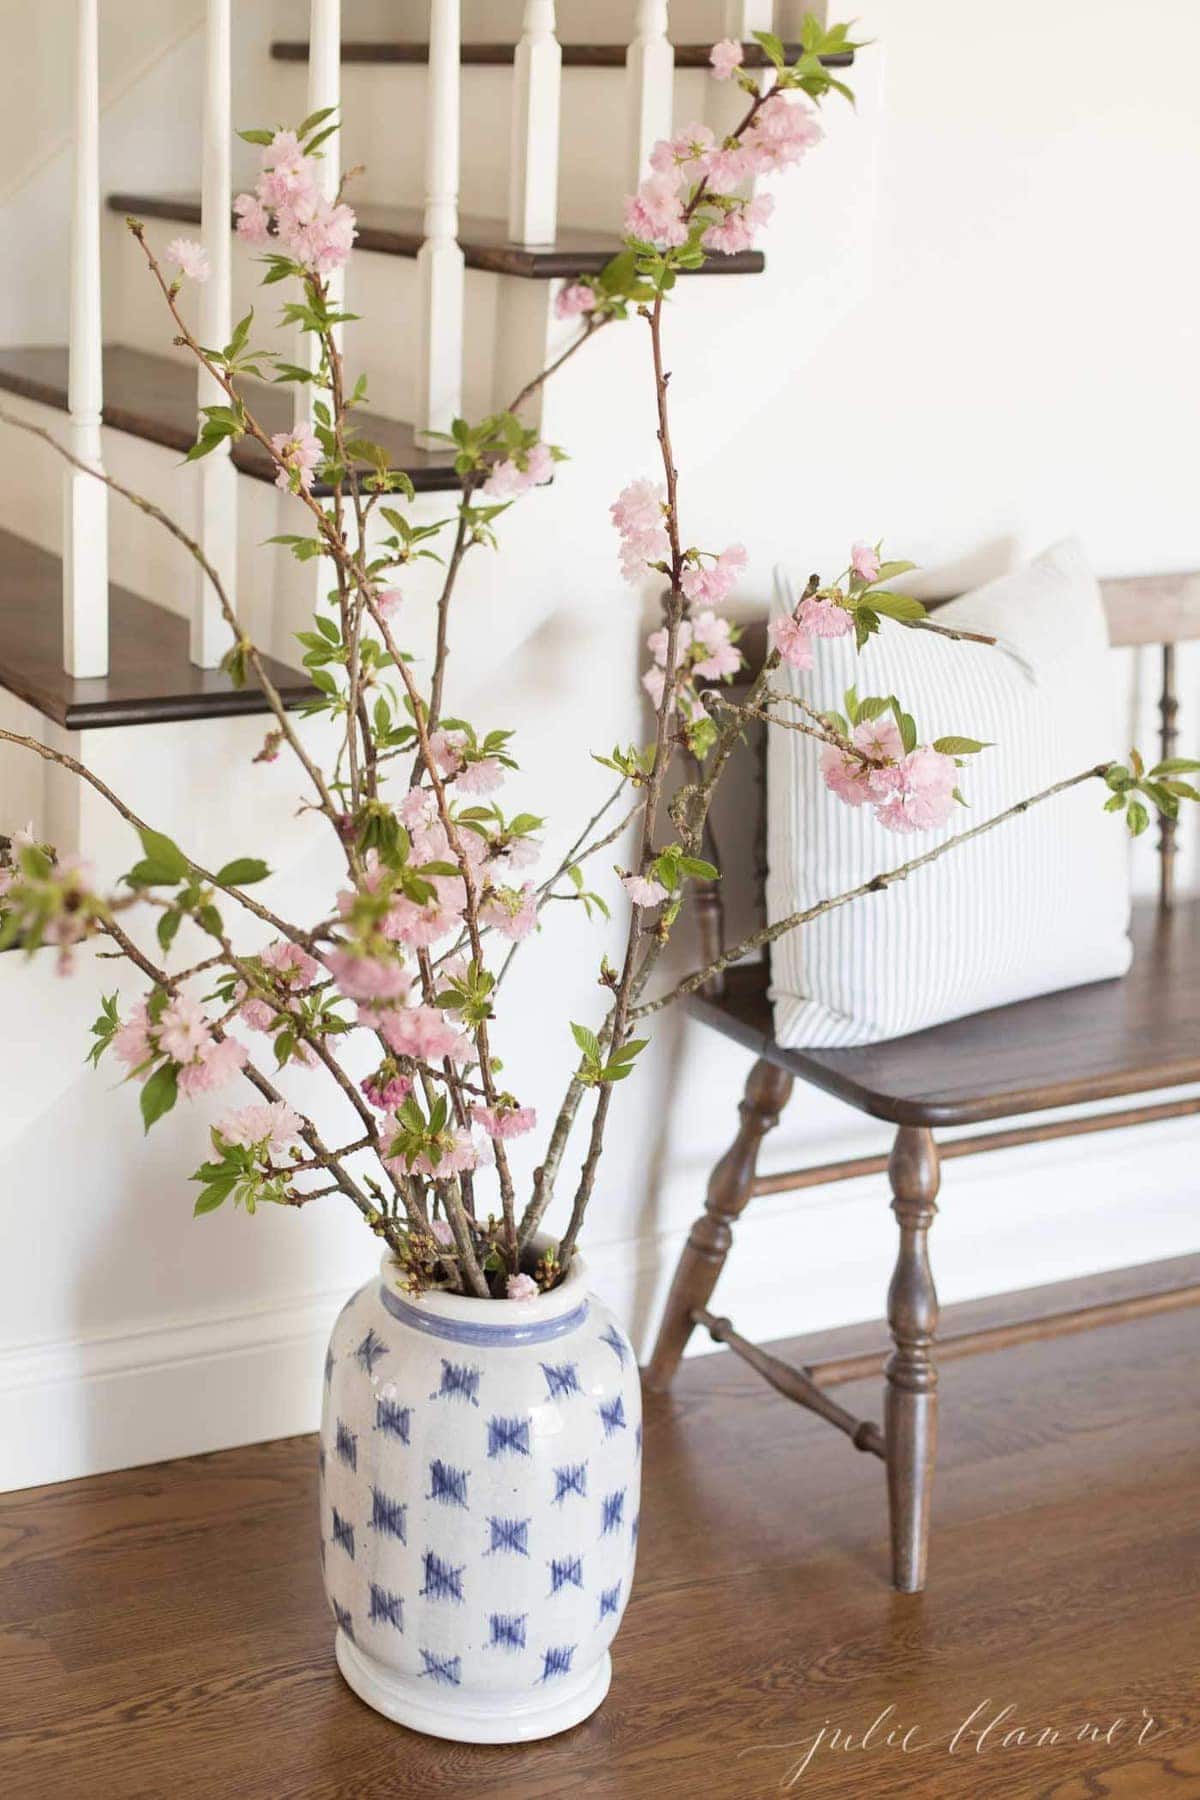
216,473
537,83
650,80
440,265
85,500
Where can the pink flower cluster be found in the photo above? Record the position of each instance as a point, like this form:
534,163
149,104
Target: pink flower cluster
574,300
712,584
778,136
272,1126
387,1090
293,970
703,648
316,233
639,514
299,453
517,474
502,1121
183,1034
643,890
913,792
189,257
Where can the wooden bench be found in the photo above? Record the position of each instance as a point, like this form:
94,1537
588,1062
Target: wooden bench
1126,1037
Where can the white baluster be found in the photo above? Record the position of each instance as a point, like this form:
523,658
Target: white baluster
744,17
537,82
218,477
650,77
324,89
440,260
85,500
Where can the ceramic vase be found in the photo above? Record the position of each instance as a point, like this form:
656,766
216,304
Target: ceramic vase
480,1481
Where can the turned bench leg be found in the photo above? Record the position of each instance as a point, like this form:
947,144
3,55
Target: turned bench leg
767,1091
910,1402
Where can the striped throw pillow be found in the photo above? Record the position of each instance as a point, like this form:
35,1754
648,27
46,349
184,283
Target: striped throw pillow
1039,904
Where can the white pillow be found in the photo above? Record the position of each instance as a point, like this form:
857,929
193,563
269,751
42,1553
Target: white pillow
1039,904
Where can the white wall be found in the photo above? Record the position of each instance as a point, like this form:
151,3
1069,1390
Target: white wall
977,332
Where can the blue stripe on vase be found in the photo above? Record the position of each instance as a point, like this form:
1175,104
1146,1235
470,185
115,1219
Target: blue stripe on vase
466,1331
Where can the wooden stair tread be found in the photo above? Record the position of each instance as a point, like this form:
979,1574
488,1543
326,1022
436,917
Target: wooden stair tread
1127,1036
399,231
150,680
575,56
154,397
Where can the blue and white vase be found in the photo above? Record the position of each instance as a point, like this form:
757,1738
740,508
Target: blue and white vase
480,1482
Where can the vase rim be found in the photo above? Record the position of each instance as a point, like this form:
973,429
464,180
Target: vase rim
472,1319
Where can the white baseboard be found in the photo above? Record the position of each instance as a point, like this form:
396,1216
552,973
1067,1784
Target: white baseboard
801,1263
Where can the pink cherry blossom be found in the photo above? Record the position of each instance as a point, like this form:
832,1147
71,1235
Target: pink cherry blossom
709,584
189,257
846,776
183,1029
824,618
792,642
419,926
457,1156
918,794
516,475
386,1092
424,1033
363,977
217,1063
879,739
257,1014
576,298
684,158
722,657
864,560
643,890
511,911
482,777
300,453
637,513
782,131
445,747
272,1124
387,601
657,642
418,807
735,230
725,57
854,781
505,1121
318,235
291,964
132,1044
521,1287
253,220
654,215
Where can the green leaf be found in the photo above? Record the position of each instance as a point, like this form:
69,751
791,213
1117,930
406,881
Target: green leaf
243,871
313,120
896,606
151,874
773,47
587,1041
698,869
164,851
160,1093
168,926
1176,765
1137,818
1115,803
257,137
960,746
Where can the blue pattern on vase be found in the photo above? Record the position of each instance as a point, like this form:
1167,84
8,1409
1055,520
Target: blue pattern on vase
561,1379
370,1351
610,1600
343,1533
393,1419
570,1479
509,1535
613,1512
612,1415
557,1661
386,1608
443,1581
388,1515
566,1571
459,1381
508,1630
508,1435
612,1338
442,1668
346,1446
446,1484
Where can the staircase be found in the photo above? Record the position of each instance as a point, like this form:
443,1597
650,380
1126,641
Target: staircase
493,172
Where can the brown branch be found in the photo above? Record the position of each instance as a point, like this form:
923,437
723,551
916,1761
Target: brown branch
876,885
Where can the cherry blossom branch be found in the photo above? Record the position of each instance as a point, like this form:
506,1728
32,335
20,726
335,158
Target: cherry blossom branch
876,885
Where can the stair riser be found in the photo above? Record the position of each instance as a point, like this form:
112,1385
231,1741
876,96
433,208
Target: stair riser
383,290
384,110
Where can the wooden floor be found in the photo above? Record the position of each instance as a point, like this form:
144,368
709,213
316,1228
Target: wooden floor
163,1632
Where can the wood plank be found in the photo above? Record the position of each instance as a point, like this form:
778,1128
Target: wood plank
1065,1582
150,680
154,397
575,56
1128,1036
398,231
